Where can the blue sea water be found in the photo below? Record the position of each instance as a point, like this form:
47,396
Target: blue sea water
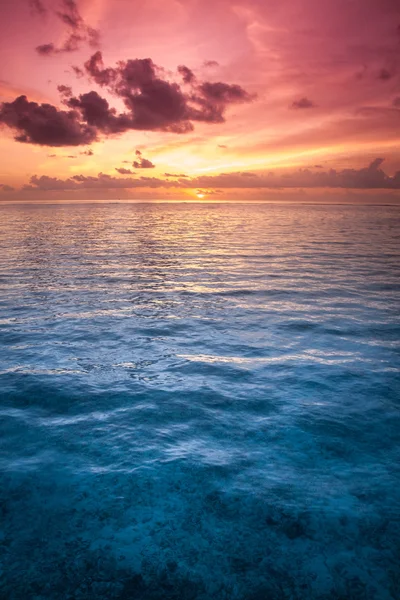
199,402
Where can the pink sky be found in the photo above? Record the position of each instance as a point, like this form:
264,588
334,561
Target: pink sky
278,96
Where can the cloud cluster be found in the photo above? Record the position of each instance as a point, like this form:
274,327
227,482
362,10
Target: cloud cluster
152,103
303,103
141,162
124,171
38,7
6,188
101,181
45,125
79,31
370,177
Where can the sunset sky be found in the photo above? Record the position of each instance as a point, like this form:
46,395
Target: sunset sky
187,99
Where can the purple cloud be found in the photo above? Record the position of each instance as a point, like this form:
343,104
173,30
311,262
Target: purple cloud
175,175
80,31
124,171
38,7
44,124
370,177
152,103
303,103
142,163
96,112
158,104
187,75
385,75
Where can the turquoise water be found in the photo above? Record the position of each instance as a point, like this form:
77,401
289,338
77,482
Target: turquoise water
199,402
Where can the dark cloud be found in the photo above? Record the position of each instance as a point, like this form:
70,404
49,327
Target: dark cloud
124,171
375,164
87,152
44,124
175,175
142,163
187,75
95,68
6,188
396,102
97,113
79,73
38,7
302,103
101,181
46,49
224,93
65,91
80,32
152,104
384,75
70,15
370,177
158,104
210,63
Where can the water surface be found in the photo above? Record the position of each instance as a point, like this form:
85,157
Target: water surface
199,402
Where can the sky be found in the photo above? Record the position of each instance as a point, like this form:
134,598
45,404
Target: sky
200,99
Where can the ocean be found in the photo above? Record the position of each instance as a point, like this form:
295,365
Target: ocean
199,401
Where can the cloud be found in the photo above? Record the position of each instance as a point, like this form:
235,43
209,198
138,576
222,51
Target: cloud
187,75
367,178
6,188
158,104
95,68
175,175
79,30
142,163
384,75
46,49
79,73
396,102
45,125
370,177
223,93
38,7
101,181
65,91
303,103
97,113
87,152
124,171
210,63
152,103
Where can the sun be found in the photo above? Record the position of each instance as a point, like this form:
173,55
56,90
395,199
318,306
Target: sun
200,195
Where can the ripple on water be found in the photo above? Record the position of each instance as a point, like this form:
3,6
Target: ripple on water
199,401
